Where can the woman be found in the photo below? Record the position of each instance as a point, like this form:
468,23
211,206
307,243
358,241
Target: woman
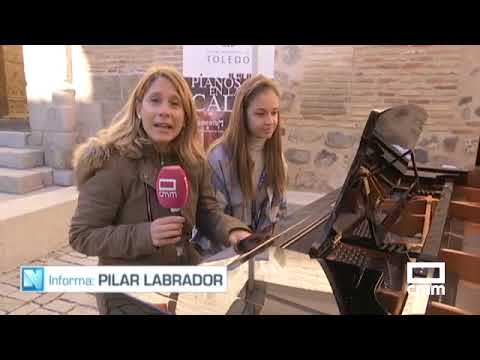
118,218
249,170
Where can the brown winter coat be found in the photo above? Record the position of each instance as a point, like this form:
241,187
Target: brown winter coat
111,219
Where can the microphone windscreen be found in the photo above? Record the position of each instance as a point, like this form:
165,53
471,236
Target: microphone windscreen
172,187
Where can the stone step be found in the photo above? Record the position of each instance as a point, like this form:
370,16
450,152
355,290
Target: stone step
9,196
21,181
14,124
14,139
21,158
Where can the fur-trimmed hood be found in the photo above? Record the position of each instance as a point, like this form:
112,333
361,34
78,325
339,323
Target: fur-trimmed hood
88,158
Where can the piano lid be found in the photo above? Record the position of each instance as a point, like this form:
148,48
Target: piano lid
400,126
381,168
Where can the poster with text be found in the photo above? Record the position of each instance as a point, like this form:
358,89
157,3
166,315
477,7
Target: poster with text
214,73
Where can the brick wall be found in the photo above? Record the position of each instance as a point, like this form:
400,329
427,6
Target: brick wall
424,75
105,75
132,59
342,81
327,79
342,84
328,92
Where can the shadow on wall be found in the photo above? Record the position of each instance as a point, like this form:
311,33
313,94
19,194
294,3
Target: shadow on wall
105,76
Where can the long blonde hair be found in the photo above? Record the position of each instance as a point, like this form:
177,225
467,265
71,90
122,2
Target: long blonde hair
235,140
126,133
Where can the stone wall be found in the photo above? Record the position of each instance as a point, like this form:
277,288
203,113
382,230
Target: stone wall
52,110
342,84
328,92
105,75
73,91
319,140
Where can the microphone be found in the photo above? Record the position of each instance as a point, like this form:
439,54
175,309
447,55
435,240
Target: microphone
172,192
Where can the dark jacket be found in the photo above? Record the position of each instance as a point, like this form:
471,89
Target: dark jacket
111,219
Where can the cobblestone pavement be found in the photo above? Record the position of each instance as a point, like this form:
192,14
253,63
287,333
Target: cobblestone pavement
15,302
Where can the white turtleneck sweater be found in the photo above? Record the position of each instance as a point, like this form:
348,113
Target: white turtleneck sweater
255,150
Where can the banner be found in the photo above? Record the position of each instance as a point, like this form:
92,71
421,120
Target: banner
119,279
214,73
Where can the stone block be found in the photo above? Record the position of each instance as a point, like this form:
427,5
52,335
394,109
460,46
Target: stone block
14,139
89,120
38,116
106,87
20,158
60,118
35,139
63,97
127,84
58,158
61,140
63,177
297,156
21,181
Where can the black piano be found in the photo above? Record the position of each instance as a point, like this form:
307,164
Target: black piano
348,252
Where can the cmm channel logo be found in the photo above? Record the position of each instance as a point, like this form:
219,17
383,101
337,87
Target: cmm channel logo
419,282
33,279
167,188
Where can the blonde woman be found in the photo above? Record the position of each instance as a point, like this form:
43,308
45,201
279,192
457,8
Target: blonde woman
118,218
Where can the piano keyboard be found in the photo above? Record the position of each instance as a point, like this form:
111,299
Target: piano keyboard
350,255
363,230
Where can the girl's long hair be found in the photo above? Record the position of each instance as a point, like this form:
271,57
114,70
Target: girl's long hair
237,133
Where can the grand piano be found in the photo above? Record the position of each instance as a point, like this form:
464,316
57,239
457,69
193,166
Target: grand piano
349,252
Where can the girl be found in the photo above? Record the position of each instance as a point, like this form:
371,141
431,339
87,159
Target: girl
249,170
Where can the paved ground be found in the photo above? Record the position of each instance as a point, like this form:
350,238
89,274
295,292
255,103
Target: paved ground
14,302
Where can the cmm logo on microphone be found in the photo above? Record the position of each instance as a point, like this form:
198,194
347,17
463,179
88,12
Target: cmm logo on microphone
167,188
